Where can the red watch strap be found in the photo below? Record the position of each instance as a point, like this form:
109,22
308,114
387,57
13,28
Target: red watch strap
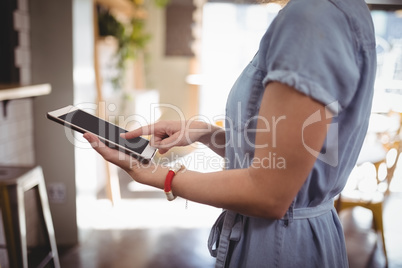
168,181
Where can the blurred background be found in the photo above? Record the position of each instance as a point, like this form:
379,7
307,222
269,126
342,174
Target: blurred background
133,62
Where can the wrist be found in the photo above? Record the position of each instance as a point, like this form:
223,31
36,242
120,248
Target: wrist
151,174
205,131
169,179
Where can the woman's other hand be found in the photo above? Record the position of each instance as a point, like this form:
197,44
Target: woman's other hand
169,134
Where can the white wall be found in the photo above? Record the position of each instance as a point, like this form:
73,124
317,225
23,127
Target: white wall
16,135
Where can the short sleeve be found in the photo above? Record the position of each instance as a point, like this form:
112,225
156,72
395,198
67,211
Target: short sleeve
312,49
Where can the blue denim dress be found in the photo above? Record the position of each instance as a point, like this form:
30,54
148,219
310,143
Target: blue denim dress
326,50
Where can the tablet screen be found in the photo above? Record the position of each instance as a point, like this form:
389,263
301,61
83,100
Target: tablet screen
104,129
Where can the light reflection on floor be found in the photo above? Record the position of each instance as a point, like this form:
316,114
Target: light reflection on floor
144,213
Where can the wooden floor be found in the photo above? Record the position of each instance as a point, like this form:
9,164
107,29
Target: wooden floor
165,244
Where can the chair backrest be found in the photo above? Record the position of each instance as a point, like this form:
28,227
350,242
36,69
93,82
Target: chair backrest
393,145
375,176
392,162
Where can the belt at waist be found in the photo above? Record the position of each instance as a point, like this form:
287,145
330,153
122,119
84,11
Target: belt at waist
229,226
308,212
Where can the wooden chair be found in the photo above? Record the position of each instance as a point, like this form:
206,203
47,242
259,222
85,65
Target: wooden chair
15,183
373,199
